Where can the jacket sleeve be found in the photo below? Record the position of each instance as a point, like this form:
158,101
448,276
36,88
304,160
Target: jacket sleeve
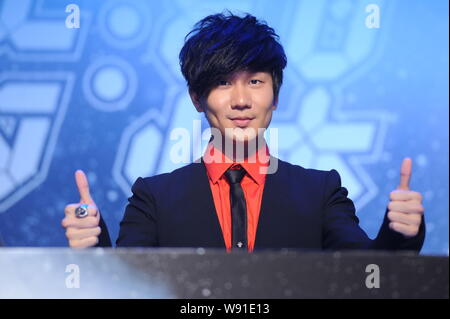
138,226
388,239
341,228
103,239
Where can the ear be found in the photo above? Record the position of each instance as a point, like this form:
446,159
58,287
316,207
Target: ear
196,101
275,104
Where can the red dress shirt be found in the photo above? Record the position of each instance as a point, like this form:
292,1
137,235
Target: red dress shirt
252,185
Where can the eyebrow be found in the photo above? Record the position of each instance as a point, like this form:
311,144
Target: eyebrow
250,74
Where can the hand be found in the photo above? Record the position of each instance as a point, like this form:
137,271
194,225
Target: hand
405,206
82,232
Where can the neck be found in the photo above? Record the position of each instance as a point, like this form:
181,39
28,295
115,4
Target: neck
239,151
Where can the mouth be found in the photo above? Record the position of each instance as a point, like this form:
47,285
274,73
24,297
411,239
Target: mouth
241,121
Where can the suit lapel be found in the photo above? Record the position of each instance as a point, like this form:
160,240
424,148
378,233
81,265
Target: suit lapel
204,205
271,202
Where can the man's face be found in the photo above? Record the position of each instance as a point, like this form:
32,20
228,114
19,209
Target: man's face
244,101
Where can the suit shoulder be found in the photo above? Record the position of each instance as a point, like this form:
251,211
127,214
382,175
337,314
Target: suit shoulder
296,170
329,179
164,179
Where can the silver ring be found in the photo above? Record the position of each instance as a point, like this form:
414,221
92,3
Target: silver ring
81,211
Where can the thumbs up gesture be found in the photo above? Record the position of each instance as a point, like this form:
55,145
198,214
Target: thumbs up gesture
405,206
82,232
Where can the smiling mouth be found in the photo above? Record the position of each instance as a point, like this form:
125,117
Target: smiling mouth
241,122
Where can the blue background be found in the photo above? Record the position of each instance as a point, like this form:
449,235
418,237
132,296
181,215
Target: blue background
104,98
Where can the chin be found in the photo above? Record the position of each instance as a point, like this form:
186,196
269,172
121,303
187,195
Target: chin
242,134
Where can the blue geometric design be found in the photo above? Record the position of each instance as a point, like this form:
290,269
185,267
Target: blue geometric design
27,33
109,84
35,104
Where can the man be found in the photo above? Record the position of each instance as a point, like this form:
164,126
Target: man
239,197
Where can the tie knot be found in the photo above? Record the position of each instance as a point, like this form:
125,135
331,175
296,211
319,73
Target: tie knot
234,176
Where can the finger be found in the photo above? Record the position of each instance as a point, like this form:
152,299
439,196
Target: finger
405,174
87,222
407,230
69,210
405,195
406,219
84,243
407,207
80,233
83,187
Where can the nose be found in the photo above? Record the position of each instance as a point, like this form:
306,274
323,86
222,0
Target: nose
240,97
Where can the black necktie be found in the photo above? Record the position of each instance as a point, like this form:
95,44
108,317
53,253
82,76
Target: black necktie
238,208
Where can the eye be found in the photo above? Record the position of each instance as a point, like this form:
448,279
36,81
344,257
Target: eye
223,82
254,81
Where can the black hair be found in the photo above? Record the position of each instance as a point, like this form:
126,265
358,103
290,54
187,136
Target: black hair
222,44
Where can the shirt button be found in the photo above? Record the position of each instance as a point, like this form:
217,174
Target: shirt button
239,244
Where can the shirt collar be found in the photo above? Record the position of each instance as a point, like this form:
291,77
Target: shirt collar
218,163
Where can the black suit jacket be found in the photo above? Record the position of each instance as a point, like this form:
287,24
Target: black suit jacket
301,208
